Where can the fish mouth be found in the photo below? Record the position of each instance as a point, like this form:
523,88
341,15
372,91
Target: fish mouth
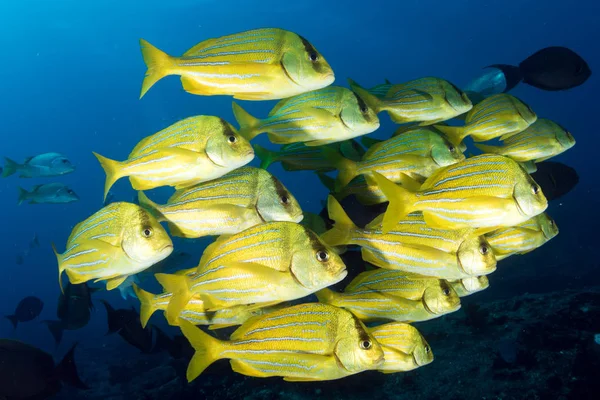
297,219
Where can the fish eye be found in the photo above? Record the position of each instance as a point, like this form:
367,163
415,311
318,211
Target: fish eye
70,191
535,189
363,109
578,69
64,161
484,249
451,148
427,349
284,199
446,291
313,56
366,344
551,222
322,255
232,139
147,232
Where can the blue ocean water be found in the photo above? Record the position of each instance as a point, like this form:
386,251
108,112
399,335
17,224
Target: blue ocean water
72,71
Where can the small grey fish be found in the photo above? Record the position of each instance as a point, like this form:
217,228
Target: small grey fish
47,164
52,193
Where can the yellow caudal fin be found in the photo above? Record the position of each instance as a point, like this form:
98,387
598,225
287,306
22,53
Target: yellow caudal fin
113,170
208,349
340,233
150,206
455,134
147,304
486,148
348,169
248,124
61,267
266,156
401,200
372,101
327,296
176,284
159,65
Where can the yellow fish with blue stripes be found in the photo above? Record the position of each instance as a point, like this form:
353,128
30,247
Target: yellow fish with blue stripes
468,286
191,151
316,118
522,238
120,240
541,141
413,246
387,295
307,342
485,191
425,100
242,198
260,64
500,115
268,263
404,348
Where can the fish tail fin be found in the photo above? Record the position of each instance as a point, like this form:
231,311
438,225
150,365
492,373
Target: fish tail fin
455,134
327,296
343,225
247,122
158,62
150,206
112,169
67,370
400,198
13,320
147,305
22,195
348,169
208,349
10,167
56,329
372,101
61,268
486,148
266,156
327,181
176,284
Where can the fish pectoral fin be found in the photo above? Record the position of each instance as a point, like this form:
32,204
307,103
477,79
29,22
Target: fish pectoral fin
190,85
297,379
253,96
115,282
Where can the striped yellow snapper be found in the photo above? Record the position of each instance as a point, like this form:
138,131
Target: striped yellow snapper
522,238
485,191
386,295
417,154
404,348
120,240
500,115
191,151
324,116
268,263
414,247
425,100
544,139
468,286
307,342
260,64
237,201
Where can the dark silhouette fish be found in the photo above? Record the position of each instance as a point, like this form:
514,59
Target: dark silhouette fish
73,311
551,68
27,372
27,309
555,179
126,322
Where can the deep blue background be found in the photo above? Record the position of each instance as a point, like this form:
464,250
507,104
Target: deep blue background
71,73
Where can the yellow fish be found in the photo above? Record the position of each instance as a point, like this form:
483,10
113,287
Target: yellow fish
468,286
425,100
500,115
324,116
386,295
120,240
261,64
417,154
191,151
404,348
237,201
268,263
307,342
544,139
413,246
485,191
522,238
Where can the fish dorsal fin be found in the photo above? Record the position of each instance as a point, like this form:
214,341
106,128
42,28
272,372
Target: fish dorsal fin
28,159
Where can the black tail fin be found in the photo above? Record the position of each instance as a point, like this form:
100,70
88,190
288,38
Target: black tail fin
56,329
164,343
114,325
66,371
511,73
13,319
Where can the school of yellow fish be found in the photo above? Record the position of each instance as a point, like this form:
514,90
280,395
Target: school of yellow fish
449,219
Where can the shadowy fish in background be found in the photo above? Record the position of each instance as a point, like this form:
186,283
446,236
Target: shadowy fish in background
34,243
29,373
73,310
28,309
555,179
49,193
552,68
260,64
20,259
126,322
43,165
